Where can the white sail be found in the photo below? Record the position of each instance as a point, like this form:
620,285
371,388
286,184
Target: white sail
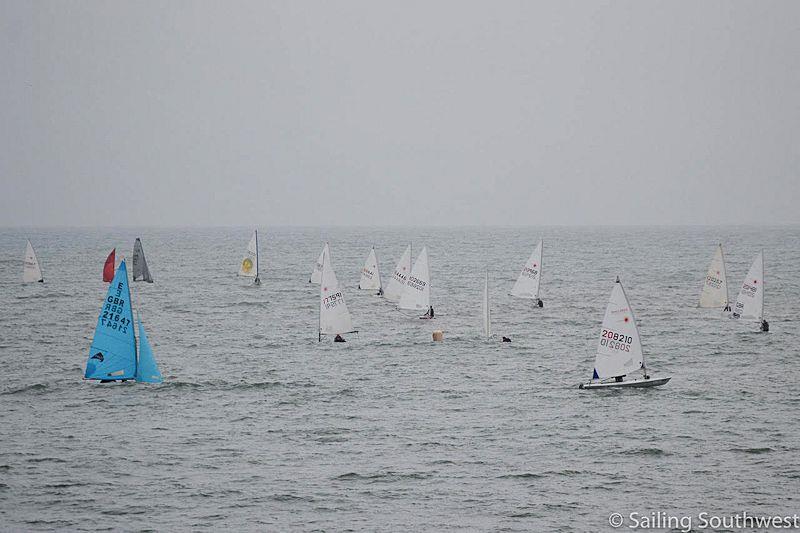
31,271
316,275
715,286
750,302
249,266
417,291
334,318
527,285
619,351
394,289
487,313
370,274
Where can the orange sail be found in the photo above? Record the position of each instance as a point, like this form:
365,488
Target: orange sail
108,269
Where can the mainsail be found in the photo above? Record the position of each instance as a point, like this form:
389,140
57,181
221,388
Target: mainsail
316,275
112,355
527,285
334,318
31,271
417,291
619,351
715,286
371,273
750,302
249,266
147,369
140,270
108,267
487,313
394,289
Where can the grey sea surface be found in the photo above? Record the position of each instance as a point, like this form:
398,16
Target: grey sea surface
258,426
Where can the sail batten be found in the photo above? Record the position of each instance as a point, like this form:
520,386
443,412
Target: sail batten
527,284
417,290
715,287
140,270
750,302
31,270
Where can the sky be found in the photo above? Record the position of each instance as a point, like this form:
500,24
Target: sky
312,113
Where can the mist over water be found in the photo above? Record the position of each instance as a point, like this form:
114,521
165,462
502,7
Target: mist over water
260,427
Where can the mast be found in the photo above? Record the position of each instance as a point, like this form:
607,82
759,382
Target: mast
635,325
725,273
319,304
135,338
256,281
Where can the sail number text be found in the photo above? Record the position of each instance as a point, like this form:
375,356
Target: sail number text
616,341
111,312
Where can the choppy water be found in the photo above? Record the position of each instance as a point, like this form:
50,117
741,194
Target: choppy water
260,427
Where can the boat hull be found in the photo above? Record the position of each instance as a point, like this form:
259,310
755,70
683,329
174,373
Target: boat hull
633,383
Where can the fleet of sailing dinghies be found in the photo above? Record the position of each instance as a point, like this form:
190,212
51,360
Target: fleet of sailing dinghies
371,274
31,271
750,302
113,355
334,318
140,270
397,282
108,267
417,290
527,285
249,266
715,287
486,311
316,275
620,360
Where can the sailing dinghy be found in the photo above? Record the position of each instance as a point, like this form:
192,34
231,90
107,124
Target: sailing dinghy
140,270
715,287
620,361
486,311
417,290
249,266
394,289
316,275
113,355
334,318
371,274
108,267
31,271
527,285
750,302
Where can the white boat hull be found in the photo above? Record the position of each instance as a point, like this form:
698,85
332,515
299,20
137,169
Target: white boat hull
638,383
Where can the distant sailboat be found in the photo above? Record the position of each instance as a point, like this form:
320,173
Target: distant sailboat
113,354
750,302
486,311
140,270
397,282
371,274
715,287
527,285
31,271
108,267
334,318
316,275
249,266
620,360
417,291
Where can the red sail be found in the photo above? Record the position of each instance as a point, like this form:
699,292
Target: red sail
108,269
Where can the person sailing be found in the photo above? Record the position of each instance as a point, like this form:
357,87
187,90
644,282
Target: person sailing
338,338
429,313
764,326
540,303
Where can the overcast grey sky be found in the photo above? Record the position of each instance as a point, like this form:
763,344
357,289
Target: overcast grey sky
407,113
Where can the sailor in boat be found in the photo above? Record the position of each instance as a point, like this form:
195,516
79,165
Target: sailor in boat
380,292
429,313
764,326
506,339
540,303
727,308
338,338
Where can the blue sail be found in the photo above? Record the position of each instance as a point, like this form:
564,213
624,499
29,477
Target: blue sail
113,352
147,370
